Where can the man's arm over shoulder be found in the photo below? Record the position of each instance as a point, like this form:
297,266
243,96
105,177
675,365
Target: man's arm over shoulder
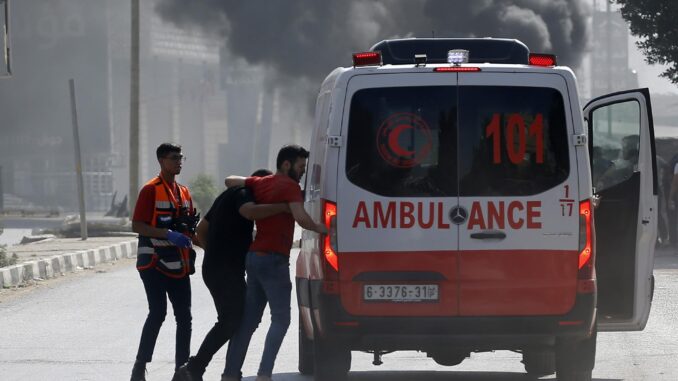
234,181
253,211
244,203
304,220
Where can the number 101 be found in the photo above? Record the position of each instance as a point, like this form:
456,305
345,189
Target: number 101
516,152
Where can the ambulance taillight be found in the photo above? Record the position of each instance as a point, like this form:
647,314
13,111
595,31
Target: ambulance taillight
329,249
367,59
586,283
538,59
456,69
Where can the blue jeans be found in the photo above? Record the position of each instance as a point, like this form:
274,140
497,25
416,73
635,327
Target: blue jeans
268,281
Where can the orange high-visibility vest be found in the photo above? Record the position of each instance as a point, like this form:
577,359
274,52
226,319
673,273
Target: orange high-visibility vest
160,253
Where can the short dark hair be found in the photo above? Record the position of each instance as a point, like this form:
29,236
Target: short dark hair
262,172
166,148
290,153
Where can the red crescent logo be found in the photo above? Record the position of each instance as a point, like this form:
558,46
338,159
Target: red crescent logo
391,141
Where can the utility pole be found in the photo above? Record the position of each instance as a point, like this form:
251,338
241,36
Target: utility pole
608,61
78,163
7,39
134,110
2,194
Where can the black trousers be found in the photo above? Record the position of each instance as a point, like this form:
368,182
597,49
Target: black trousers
158,288
228,292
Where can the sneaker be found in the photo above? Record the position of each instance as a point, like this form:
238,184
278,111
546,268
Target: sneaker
138,372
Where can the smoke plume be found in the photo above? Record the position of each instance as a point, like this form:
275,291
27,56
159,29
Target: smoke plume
305,39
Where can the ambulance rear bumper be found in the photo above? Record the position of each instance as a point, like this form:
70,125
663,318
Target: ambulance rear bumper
473,333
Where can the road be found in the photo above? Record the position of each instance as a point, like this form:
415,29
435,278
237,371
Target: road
86,327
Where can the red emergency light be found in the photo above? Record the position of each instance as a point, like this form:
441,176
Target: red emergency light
367,59
456,69
538,59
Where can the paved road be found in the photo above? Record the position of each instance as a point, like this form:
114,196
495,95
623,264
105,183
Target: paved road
86,328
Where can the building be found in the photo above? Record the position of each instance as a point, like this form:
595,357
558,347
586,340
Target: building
609,60
53,42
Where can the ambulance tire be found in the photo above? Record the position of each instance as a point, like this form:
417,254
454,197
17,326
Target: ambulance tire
539,363
305,352
332,361
449,358
575,359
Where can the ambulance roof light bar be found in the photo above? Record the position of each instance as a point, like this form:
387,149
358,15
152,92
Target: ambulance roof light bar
367,59
457,56
539,59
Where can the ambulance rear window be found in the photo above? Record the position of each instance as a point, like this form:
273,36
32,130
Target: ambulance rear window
402,141
513,140
457,141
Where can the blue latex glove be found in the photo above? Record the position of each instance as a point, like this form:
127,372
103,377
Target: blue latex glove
178,239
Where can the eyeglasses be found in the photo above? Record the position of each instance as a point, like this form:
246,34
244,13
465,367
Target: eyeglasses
176,158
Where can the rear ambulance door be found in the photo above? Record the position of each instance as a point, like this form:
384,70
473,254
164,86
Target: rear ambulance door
519,193
396,183
624,176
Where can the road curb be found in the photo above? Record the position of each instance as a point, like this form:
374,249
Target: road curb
59,265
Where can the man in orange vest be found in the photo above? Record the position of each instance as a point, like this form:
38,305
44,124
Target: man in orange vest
164,219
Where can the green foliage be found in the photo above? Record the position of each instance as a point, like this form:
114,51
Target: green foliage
203,191
4,260
655,22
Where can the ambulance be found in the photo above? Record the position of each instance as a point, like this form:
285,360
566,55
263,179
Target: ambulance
472,206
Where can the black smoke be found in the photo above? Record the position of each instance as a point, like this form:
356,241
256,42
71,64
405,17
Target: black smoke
305,39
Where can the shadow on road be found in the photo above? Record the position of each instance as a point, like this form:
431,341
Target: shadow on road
428,376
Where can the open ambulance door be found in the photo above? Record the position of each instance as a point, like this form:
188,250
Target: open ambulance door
624,177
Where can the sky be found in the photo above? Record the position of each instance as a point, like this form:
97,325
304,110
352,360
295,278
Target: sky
648,75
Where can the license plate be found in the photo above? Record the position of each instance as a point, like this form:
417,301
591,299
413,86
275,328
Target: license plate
400,292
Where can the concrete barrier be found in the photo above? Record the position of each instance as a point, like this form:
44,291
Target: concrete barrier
58,265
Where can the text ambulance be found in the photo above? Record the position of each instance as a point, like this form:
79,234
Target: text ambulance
472,206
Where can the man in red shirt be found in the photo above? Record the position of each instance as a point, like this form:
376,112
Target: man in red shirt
267,262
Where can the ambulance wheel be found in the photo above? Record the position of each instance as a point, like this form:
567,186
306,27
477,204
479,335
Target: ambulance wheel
332,361
449,358
575,359
305,352
539,363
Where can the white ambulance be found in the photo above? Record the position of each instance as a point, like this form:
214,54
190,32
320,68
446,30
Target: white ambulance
472,206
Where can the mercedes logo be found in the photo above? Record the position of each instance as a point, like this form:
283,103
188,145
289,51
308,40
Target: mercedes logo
458,215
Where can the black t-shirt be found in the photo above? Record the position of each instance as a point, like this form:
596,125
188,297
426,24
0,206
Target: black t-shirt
230,234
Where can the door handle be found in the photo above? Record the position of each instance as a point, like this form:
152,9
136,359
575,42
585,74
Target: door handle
488,235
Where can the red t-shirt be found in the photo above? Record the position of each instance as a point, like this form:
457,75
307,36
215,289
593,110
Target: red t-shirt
275,233
143,210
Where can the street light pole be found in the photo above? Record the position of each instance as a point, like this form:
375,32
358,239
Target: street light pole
134,110
78,163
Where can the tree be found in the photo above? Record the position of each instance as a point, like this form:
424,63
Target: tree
655,22
203,192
